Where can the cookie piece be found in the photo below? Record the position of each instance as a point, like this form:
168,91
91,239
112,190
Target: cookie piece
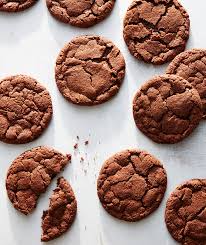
167,109
61,213
191,65
185,214
156,30
84,13
30,174
131,185
89,70
16,5
25,109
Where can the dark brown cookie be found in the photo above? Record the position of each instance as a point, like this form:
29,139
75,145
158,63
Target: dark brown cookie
167,109
84,13
131,185
156,30
191,65
61,213
30,174
89,70
16,5
185,213
25,109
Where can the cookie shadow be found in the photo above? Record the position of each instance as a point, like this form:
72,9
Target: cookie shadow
16,27
27,229
63,33
188,153
99,121
114,231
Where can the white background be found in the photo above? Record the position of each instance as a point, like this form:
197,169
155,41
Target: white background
29,44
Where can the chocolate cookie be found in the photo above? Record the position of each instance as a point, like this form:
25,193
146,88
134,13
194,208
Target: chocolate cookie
156,30
25,109
16,5
185,213
167,109
191,65
30,174
89,70
131,185
61,213
84,13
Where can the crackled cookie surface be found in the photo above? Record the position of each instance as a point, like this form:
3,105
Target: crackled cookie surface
89,70
131,185
61,213
185,214
82,13
25,109
167,109
16,5
191,65
156,30
30,174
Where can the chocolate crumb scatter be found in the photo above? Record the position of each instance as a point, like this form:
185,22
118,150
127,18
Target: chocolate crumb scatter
76,146
86,142
69,157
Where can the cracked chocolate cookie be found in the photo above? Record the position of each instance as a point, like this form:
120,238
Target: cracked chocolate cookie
156,30
167,109
81,13
191,65
131,185
16,5
30,174
25,109
61,213
185,214
89,70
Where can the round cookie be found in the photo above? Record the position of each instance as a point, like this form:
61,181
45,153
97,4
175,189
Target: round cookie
131,185
185,214
156,30
16,5
25,109
30,174
84,13
89,70
191,65
61,213
167,109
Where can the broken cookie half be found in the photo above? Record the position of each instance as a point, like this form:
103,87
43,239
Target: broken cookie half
61,213
31,173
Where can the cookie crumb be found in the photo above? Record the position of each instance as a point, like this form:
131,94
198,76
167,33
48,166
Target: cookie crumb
76,146
81,159
77,137
69,156
86,142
